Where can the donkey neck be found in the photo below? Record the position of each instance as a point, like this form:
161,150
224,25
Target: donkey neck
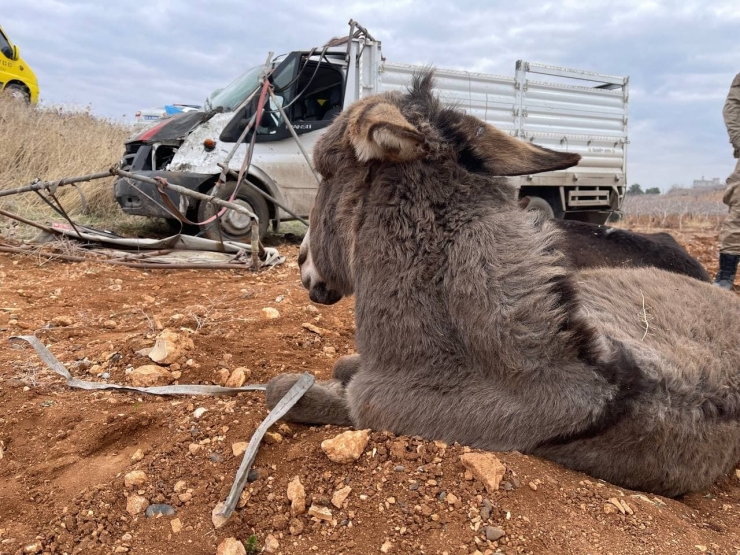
472,282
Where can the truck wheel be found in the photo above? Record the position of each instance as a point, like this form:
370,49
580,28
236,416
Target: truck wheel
18,92
542,206
234,226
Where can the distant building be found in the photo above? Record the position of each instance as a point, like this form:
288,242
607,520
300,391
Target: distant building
707,183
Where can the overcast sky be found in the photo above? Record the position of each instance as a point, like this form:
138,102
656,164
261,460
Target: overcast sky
681,57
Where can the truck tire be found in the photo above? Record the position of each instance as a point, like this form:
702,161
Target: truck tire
542,206
18,92
234,226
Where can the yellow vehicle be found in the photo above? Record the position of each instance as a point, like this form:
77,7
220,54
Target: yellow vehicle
16,77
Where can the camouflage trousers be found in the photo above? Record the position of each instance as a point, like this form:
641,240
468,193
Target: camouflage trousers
729,235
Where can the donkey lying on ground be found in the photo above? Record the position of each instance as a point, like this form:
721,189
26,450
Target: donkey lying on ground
594,246
471,330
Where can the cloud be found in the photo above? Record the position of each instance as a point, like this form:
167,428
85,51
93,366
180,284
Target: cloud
681,56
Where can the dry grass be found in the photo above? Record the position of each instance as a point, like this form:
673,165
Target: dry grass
694,209
51,143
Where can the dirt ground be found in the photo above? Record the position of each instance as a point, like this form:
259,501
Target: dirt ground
65,452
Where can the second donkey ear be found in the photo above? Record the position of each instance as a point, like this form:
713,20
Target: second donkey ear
378,131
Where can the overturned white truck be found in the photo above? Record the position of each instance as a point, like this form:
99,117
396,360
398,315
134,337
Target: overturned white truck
558,108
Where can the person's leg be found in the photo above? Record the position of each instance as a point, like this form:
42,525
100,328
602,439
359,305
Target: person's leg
729,235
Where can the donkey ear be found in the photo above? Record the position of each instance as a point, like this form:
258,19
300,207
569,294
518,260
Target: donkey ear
378,131
503,155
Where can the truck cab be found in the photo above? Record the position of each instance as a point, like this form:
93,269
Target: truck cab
16,77
313,86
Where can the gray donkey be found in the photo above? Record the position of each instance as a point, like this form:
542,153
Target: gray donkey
470,329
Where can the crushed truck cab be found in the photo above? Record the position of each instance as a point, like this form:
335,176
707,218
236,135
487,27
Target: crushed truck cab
558,108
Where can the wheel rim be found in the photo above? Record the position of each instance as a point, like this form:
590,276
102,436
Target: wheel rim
235,223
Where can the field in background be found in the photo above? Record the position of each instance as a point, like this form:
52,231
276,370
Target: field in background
56,142
681,209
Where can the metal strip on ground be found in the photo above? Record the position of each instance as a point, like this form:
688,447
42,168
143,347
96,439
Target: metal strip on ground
53,363
293,395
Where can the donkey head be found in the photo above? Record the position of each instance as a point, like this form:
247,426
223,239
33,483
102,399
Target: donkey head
393,136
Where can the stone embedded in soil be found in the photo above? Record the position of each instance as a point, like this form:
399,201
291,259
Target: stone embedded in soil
313,329
486,468
150,375
297,497
33,548
386,547
180,486
62,321
169,347
137,456
199,412
160,509
110,324
485,512
272,438
231,546
322,513
237,377
340,496
494,533
135,504
135,478
176,525
185,497
216,518
295,527
222,377
269,313
194,448
271,544
346,447
239,448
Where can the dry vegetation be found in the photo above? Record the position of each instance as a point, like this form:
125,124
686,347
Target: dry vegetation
55,142
681,209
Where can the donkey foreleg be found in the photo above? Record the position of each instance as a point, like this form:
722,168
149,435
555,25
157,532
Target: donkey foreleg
345,368
324,403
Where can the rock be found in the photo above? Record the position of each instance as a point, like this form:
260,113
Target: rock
346,447
185,497
237,378
485,512
330,351
485,467
110,324
386,547
494,533
231,546
135,504
62,321
269,313
322,513
194,448
297,497
532,486
271,544
609,509
176,525
295,527
200,411
313,329
170,347
33,548
160,509
216,517
222,377
239,448
253,475
452,499
137,456
180,486
340,496
399,468
135,478
150,375
272,438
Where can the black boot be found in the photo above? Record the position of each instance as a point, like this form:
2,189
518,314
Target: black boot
727,268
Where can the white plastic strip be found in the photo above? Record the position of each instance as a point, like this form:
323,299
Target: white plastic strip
51,361
303,384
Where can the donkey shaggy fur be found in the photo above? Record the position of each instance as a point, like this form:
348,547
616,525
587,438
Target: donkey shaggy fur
471,330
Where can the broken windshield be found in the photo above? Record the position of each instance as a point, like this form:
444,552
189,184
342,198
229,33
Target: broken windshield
230,97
